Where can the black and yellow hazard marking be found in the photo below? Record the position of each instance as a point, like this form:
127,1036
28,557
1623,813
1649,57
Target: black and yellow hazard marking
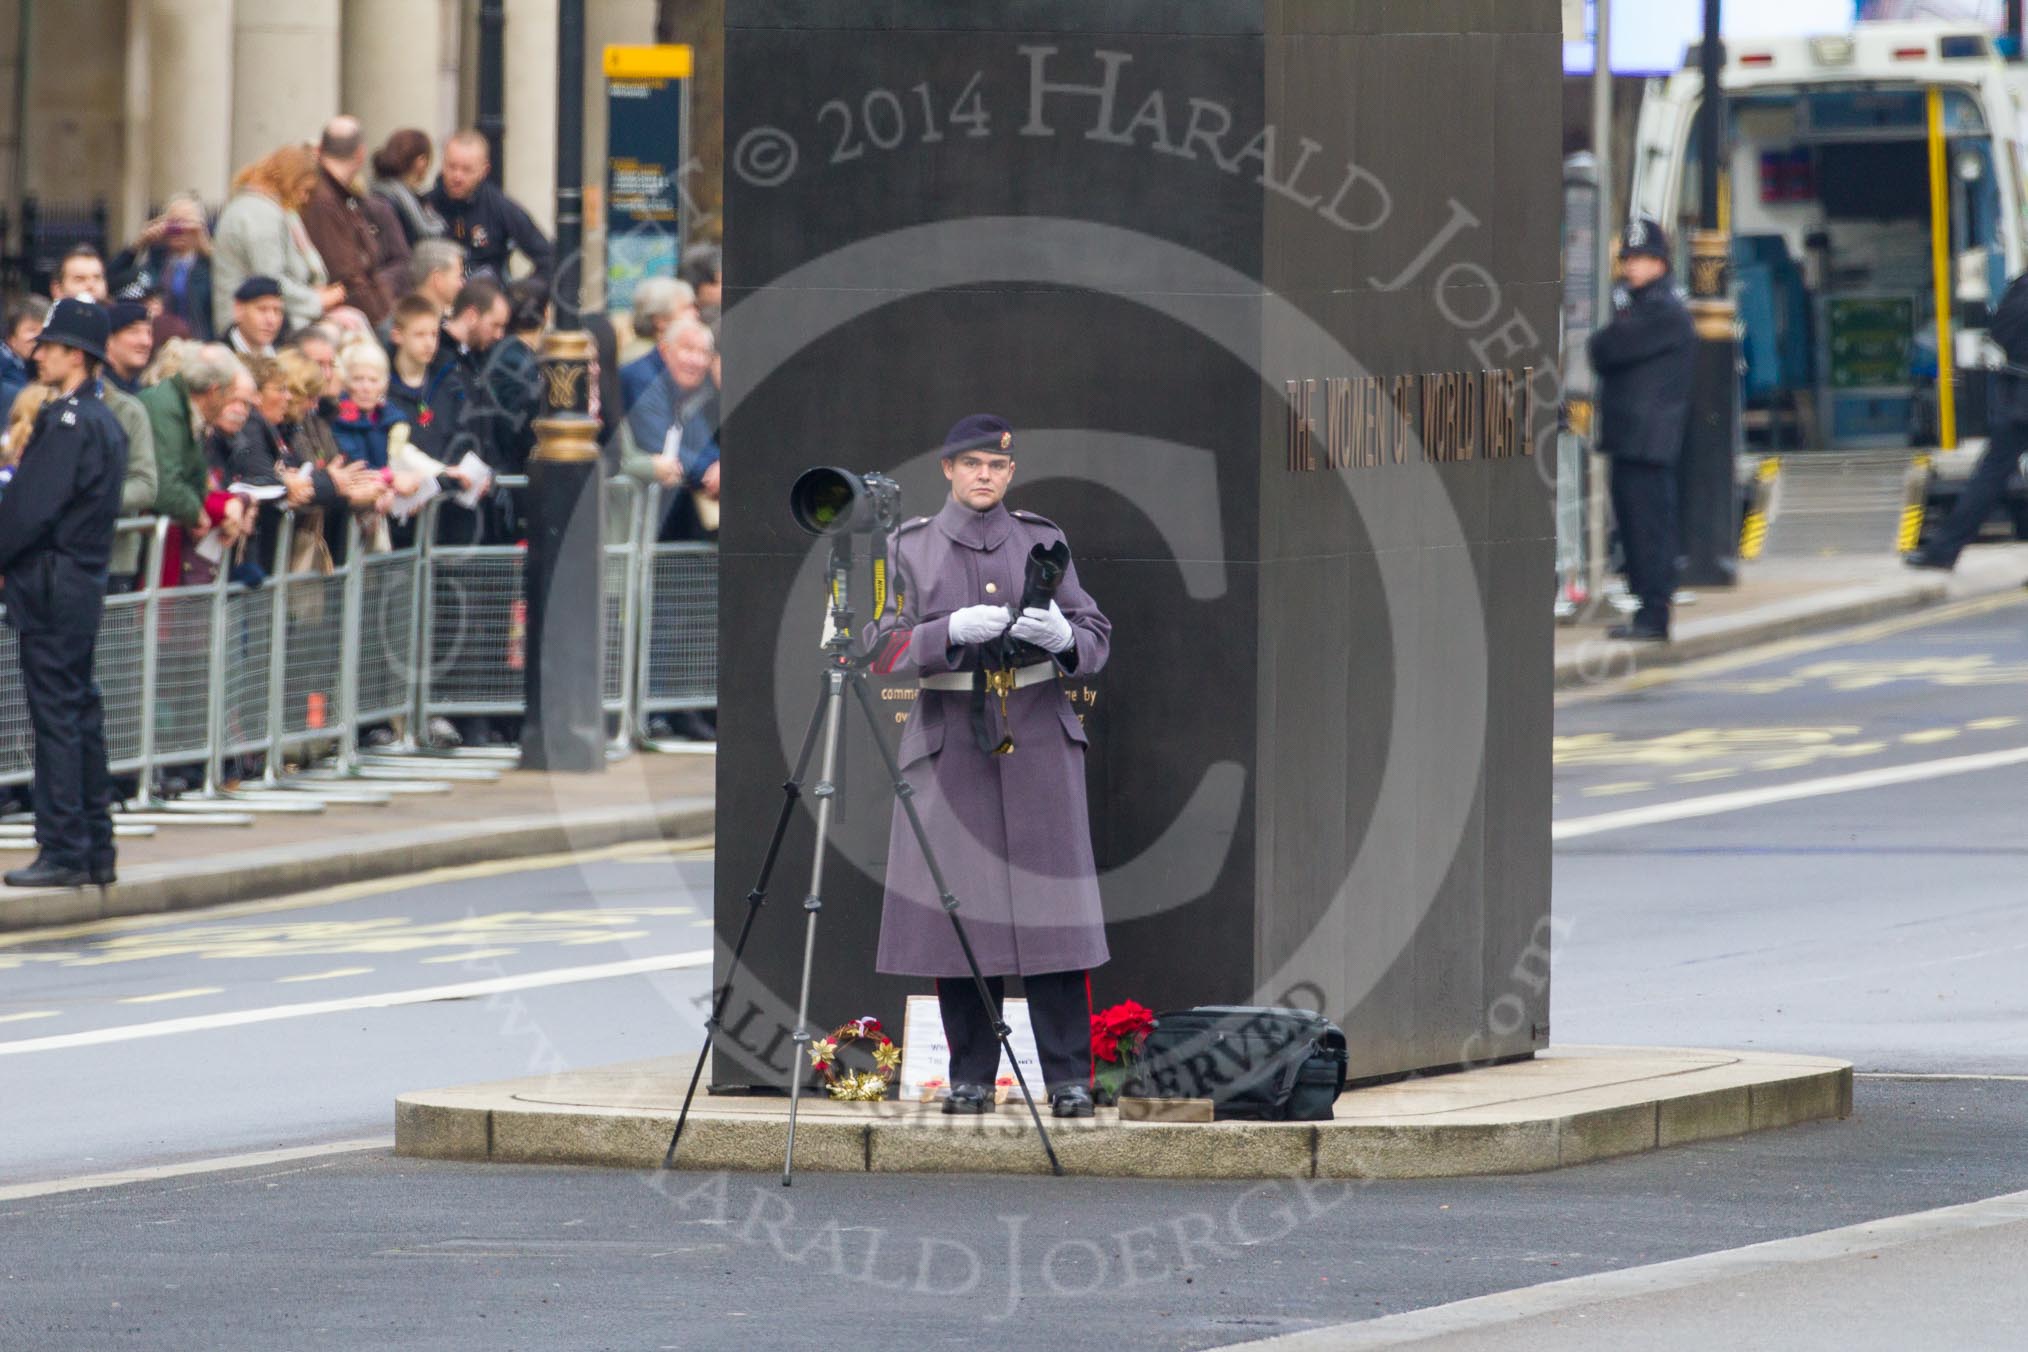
1753,528
1917,485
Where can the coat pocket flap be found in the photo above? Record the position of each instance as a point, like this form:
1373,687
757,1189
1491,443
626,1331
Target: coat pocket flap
923,736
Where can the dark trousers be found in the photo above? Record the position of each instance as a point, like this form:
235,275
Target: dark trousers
1644,505
1059,1008
73,792
2005,441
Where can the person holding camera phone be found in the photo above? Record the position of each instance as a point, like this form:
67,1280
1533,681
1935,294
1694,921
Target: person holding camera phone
999,779
171,260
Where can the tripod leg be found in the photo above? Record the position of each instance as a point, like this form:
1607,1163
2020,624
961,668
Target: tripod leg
826,794
904,793
792,791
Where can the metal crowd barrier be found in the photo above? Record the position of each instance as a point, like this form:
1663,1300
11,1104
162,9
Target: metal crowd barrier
199,679
676,648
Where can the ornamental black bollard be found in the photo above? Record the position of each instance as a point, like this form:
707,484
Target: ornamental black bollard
565,727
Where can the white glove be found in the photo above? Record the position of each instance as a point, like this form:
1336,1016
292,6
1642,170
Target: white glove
1046,629
976,624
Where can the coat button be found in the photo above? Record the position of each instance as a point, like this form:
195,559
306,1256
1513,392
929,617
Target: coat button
990,589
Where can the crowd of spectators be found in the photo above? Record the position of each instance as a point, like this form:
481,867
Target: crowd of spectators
345,330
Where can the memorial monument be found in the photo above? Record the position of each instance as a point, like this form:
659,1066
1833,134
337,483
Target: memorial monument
1270,292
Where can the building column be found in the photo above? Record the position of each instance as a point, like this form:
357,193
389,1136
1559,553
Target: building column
285,75
76,141
390,70
530,172
450,67
190,46
130,208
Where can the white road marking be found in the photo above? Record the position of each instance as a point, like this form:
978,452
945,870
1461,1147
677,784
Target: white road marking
1712,805
82,1182
1707,1269
28,1014
331,975
1932,1075
159,996
464,990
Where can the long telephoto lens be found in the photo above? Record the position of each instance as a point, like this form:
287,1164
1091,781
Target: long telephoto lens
826,501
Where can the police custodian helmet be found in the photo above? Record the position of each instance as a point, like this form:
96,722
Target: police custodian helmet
1645,235
76,323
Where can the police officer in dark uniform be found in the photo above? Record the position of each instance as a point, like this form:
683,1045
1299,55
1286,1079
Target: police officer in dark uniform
2006,437
1645,359
56,533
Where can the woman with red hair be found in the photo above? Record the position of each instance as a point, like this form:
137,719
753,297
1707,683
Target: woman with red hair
260,234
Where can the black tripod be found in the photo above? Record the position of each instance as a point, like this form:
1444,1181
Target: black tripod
843,667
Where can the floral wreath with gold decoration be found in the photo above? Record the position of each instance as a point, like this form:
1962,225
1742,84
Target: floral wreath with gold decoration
857,1086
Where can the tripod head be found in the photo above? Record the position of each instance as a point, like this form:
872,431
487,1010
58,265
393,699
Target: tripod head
840,644
841,506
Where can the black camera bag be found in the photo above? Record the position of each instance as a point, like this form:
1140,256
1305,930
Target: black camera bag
1255,1063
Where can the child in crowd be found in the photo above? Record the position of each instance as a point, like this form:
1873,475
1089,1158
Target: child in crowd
364,415
432,402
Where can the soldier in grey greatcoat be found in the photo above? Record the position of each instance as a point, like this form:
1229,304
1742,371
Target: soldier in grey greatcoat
1011,831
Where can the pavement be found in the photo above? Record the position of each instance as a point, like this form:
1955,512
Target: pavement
647,796
1837,1290
1566,1106
1779,598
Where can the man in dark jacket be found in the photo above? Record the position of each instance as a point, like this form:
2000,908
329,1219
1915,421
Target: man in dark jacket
2006,437
56,533
490,224
1644,359
674,418
341,226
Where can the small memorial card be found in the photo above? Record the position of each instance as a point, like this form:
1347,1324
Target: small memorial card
926,1055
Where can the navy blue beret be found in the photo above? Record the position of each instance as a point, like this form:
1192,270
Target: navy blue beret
979,432
125,314
254,288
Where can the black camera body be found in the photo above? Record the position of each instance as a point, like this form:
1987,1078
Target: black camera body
1047,565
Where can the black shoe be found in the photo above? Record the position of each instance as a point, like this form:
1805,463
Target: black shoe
1072,1100
1638,633
47,873
101,870
692,726
1916,558
969,1100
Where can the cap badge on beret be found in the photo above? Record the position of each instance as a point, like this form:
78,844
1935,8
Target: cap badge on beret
978,432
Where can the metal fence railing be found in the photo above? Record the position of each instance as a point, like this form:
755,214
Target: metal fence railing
202,680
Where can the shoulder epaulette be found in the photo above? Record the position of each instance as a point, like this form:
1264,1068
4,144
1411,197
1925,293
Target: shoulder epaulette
1034,519
912,523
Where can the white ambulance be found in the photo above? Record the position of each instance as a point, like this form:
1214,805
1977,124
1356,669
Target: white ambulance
1868,171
